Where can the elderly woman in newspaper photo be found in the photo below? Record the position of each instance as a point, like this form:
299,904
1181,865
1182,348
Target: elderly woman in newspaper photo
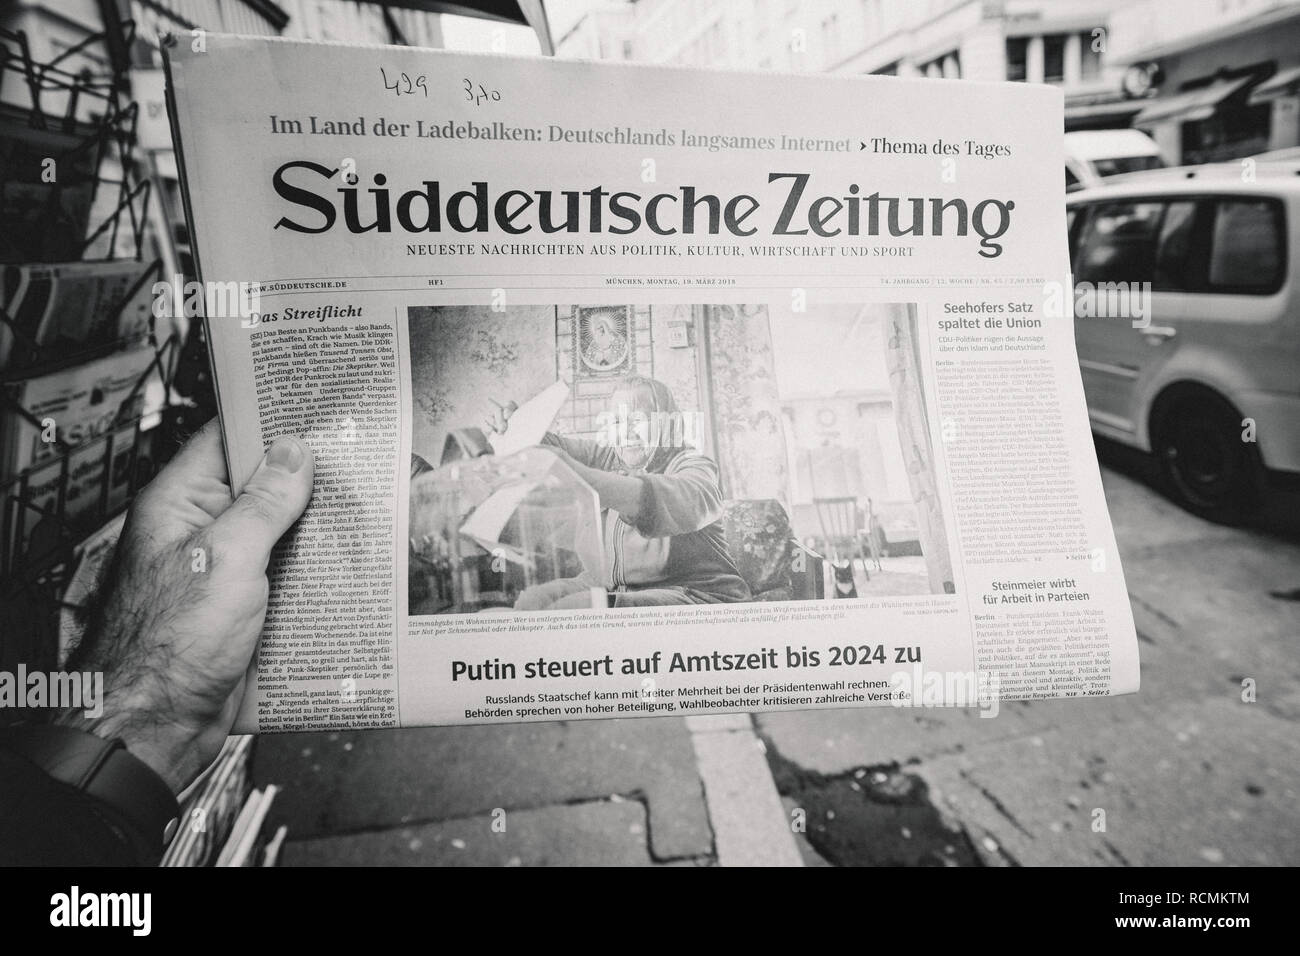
662,506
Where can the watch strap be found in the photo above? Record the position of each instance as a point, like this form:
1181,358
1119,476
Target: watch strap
137,797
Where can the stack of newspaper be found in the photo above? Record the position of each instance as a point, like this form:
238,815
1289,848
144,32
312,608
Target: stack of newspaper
222,820
247,845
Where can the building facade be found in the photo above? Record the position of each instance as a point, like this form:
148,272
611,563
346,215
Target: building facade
1207,79
1065,42
603,32
1223,79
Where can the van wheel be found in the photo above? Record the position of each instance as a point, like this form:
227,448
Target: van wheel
1209,470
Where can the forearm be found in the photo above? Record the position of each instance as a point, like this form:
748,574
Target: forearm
136,704
584,451
617,492
682,502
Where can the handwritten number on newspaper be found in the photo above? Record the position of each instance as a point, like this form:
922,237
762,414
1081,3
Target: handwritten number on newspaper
403,85
482,95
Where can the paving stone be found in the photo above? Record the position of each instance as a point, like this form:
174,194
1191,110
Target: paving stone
749,824
345,782
713,723
602,833
1208,782
809,855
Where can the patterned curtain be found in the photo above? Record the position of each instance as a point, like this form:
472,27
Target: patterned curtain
746,407
903,358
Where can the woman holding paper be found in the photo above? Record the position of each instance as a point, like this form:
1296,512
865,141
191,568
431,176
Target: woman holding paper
662,507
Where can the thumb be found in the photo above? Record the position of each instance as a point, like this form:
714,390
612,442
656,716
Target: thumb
273,499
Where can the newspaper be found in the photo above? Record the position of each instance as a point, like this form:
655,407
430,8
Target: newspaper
797,415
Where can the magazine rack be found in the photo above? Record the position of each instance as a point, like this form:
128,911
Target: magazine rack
70,192
39,539
77,120
29,358
53,158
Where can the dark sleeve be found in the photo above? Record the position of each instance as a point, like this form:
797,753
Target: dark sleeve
47,823
685,498
585,451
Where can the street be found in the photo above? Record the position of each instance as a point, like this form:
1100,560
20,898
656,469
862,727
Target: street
1186,772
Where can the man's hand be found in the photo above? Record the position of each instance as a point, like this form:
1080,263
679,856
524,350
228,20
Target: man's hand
184,600
496,417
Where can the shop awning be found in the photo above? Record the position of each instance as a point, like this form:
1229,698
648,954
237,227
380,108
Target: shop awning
1100,114
1193,105
1284,83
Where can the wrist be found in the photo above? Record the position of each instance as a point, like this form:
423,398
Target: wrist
138,708
168,749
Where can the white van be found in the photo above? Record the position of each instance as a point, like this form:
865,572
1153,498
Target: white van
1209,379
1094,155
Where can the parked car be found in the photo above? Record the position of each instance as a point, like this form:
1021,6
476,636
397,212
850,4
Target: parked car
1094,155
1209,380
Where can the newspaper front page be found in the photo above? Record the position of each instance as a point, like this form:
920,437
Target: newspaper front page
639,390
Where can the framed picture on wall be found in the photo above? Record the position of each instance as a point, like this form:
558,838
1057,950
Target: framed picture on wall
605,345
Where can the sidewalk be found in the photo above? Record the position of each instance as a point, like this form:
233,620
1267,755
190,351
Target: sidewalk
633,792
1187,772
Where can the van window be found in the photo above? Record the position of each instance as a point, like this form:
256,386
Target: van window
1247,248
1173,252
1072,183
1142,241
1119,243
1118,165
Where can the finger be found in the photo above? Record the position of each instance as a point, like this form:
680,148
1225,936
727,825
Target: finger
201,458
271,502
503,414
192,488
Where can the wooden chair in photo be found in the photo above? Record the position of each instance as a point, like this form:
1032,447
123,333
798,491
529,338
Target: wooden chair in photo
838,518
